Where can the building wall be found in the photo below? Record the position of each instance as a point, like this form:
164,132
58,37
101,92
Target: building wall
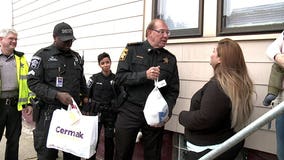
99,26
108,25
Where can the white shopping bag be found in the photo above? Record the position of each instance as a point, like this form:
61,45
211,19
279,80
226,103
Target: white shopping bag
72,132
156,109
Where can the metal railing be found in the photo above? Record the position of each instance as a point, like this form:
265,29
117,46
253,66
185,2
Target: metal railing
245,132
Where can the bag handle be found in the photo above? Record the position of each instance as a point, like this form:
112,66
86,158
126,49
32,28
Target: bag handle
74,107
156,82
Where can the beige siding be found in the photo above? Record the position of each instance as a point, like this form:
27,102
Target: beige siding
99,26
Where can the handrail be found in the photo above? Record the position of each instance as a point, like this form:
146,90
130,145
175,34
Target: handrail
245,132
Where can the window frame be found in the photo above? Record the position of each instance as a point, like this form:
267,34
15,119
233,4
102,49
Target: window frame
188,32
256,29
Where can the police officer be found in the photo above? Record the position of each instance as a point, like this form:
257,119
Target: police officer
139,65
55,76
102,93
15,94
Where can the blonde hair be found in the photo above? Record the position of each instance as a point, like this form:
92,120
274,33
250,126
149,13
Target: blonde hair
233,77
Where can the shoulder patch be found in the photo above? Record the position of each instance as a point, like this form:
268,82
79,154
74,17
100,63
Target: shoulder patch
123,54
90,83
165,60
35,62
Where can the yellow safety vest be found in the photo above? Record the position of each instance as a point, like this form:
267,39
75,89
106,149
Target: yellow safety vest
22,71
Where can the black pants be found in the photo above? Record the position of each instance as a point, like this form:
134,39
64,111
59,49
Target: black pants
152,139
275,79
130,121
40,134
107,119
11,118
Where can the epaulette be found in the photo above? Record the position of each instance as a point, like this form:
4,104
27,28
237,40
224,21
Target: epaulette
45,49
134,43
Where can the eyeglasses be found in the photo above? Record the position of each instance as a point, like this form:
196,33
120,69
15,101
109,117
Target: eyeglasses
12,39
162,31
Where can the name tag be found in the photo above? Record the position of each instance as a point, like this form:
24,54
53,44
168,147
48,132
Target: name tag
59,81
161,84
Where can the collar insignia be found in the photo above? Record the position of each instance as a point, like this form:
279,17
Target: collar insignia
166,60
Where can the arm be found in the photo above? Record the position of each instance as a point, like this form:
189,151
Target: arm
83,86
36,79
274,50
90,86
125,75
172,90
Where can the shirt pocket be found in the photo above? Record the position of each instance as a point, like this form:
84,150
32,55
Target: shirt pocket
98,89
77,70
139,64
53,70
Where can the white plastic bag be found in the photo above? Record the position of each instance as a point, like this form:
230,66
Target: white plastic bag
72,132
156,109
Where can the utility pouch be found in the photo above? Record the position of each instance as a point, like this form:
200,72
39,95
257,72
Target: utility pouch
90,109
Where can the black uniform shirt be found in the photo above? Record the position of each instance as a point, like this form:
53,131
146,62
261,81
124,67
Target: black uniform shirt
48,64
131,73
100,87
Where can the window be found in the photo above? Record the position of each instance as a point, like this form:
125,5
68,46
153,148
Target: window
247,17
183,17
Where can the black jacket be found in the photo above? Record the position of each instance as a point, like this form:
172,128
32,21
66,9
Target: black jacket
131,73
49,63
101,87
208,122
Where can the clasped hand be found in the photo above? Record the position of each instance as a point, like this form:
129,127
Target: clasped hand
162,123
153,73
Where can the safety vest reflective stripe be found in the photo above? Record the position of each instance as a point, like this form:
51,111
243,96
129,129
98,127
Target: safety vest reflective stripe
23,77
22,100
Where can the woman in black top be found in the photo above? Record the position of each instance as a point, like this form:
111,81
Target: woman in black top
222,106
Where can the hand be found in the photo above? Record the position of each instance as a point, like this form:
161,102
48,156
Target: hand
153,73
85,100
162,123
64,97
279,59
28,110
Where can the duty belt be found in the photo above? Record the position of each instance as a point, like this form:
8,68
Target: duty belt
102,106
9,101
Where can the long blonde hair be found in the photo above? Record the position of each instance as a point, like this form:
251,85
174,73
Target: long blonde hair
234,79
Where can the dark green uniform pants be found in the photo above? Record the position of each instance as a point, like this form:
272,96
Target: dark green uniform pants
275,79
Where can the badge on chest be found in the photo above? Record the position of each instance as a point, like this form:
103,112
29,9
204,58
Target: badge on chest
59,81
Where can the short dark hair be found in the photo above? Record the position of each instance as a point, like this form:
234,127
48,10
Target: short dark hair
102,56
